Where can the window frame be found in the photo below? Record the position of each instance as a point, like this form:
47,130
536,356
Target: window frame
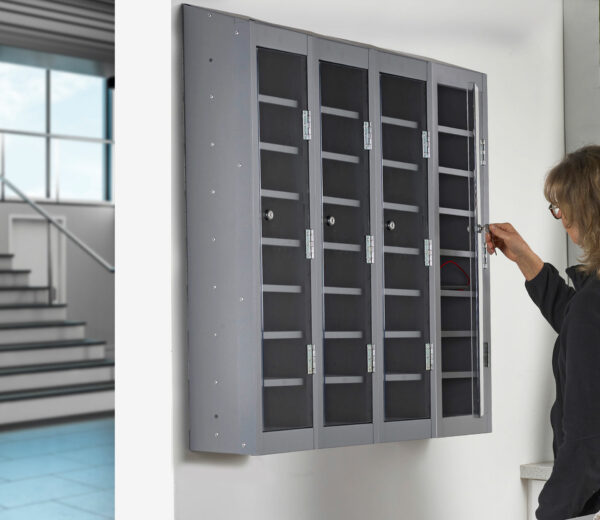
106,140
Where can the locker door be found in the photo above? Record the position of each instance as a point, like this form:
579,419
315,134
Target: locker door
402,148
462,263
285,215
345,409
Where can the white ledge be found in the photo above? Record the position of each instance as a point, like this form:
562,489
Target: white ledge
536,470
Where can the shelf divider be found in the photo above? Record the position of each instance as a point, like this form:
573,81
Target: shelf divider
331,111
274,100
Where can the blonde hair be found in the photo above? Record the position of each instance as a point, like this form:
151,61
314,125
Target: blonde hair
574,186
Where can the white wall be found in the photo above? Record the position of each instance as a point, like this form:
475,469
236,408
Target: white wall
519,45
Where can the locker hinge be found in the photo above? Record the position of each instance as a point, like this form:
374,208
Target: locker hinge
306,125
370,358
310,244
370,249
428,251
310,359
429,356
425,136
368,135
482,152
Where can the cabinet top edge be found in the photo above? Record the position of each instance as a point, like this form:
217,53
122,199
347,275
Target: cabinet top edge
331,38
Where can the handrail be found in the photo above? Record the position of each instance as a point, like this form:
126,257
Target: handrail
59,226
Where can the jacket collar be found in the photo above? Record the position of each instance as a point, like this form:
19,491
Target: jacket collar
578,277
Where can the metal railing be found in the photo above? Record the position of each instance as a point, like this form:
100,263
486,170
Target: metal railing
51,221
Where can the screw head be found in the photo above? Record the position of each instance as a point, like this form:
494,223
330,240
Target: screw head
239,165
216,382
216,434
241,298
212,145
214,287
237,32
215,334
212,192
212,96
243,444
210,15
213,239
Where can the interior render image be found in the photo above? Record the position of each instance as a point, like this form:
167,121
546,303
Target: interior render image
57,353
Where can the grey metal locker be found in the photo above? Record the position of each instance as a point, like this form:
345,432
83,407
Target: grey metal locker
319,214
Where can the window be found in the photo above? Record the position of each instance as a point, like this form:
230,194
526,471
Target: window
56,133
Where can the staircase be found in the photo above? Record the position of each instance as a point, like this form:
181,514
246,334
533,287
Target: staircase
48,368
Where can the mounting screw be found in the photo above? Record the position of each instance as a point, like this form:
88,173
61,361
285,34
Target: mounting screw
239,165
214,287
212,145
210,15
241,298
213,239
243,444
212,96
237,32
212,192
215,334
216,382
216,434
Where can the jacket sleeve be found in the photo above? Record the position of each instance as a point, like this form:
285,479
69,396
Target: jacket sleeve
575,477
551,294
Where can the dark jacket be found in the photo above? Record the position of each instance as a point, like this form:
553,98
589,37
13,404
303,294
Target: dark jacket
574,485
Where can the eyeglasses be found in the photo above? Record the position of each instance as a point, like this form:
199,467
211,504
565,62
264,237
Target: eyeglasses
555,210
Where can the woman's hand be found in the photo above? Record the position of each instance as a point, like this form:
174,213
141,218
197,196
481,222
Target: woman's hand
506,238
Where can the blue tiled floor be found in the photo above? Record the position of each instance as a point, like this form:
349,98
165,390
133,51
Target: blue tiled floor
58,472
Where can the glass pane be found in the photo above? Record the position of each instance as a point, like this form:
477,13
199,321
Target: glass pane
25,163
77,104
458,266
404,175
77,170
287,392
23,95
347,303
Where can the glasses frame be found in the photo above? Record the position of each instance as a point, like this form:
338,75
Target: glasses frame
555,211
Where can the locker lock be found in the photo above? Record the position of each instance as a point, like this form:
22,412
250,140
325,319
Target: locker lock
330,220
269,215
390,225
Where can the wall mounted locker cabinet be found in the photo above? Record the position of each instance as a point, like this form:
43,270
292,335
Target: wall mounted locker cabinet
338,285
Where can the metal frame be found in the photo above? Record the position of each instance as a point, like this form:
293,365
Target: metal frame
224,230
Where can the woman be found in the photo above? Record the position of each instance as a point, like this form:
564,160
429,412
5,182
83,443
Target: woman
573,190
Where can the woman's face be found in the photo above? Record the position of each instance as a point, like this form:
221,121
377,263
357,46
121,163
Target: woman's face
572,231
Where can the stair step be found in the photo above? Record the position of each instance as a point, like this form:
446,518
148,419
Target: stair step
16,379
41,331
29,312
49,403
25,354
23,294
14,277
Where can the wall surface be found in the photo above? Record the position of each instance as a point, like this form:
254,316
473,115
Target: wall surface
90,288
519,45
582,80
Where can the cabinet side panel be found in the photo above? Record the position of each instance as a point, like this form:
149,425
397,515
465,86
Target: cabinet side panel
222,242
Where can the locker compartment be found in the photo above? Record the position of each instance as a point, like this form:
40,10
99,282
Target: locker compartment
281,125
402,144
344,87
345,180
282,74
455,233
407,399
403,313
342,135
283,172
456,313
457,355
345,268
408,231
347,313
451,275
405,272
285,266
289,218
284,311
402,98
345,357
287,407
455,151
454,108
349,227
406,355
285,358
457,397
348,403
456,192
404,186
